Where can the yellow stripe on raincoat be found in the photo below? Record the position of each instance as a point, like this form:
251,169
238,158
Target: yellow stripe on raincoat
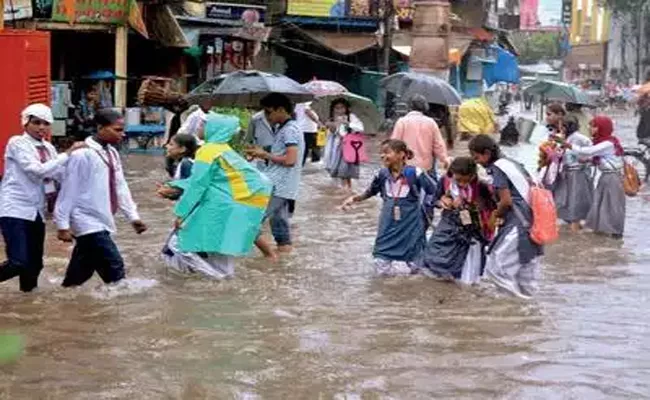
224,199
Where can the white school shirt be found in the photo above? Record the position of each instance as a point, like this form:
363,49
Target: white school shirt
606,150
84,202
304,122
194,123
22,194
572,158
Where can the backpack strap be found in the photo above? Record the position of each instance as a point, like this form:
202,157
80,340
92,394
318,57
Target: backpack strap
411,175
446,183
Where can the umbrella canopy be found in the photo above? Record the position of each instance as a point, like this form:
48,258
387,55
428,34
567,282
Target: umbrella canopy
363,107
246,89
324,88
434,89
554,90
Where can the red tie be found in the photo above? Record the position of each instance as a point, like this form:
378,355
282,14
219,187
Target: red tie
112,182
43,154
50,198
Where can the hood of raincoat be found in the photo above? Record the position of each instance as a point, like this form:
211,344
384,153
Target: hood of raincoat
220,128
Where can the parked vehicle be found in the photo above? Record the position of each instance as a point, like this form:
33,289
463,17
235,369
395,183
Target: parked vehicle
639,157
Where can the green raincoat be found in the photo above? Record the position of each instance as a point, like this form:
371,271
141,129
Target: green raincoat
224,199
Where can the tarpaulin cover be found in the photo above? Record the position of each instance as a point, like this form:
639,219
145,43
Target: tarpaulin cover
506,68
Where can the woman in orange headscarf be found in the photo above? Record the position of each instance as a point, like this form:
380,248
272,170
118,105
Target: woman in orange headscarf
607,214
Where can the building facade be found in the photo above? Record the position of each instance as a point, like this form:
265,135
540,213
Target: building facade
589,34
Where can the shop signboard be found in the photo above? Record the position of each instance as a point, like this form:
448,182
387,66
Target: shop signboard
332,8
540,14
316,8
91,11
404,10
248,14
550,13
567,12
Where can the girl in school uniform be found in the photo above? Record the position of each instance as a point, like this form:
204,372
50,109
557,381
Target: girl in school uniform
555,113
573,187
607,213
456,248
342,122
512,258
401,233
181,149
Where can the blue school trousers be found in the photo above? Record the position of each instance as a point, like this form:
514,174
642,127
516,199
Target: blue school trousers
24,247
94,252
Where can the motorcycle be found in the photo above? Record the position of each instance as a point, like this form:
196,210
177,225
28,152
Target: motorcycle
639,157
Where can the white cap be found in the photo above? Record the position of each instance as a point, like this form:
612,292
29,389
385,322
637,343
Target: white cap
40,111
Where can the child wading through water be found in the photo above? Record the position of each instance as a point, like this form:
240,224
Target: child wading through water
181,149
456,248
607,213
221,205
513,258
573,187
283,168
93,190
342,122
401,231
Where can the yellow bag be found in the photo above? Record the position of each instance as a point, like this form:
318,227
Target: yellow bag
321,137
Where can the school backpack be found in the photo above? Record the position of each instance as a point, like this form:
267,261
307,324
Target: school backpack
544,229
354,148
631,180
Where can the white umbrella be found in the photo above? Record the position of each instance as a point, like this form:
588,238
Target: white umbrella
363,107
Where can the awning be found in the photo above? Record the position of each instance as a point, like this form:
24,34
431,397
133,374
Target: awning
343,43
403,50
162,26
458,46
208,26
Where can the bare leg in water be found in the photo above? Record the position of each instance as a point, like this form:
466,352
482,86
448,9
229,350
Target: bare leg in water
347,184
575,227
266,249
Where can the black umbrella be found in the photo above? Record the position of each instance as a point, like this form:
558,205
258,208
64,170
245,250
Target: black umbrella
408,84
247,88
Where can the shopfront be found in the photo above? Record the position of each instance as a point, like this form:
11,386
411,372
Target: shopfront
223,37
585,65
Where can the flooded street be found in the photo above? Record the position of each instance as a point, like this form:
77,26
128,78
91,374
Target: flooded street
319,325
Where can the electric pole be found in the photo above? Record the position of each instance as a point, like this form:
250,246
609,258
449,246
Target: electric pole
389,16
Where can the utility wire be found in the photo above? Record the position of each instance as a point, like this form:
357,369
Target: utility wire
325,58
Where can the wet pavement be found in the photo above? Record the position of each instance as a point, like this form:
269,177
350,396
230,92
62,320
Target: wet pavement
319,325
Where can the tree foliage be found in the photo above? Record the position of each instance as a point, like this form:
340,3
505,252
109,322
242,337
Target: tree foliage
536,46
626,6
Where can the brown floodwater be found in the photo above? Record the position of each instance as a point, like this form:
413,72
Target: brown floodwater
319,325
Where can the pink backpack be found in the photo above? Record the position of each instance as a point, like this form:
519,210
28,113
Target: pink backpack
354,148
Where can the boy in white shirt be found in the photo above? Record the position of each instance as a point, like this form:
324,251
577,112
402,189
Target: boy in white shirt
92,191
28,189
